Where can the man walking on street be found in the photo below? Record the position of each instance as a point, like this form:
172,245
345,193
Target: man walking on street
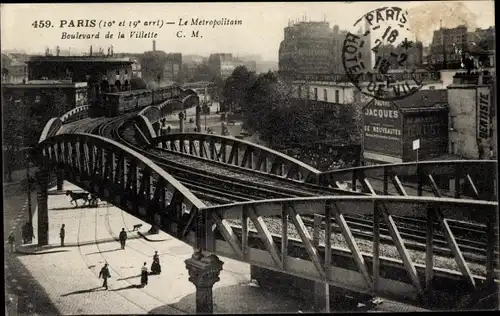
62,233
104,273
11,242
123,238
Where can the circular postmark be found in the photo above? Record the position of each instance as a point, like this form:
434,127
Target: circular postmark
392,73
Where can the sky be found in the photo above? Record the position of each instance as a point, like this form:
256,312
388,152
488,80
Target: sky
260,33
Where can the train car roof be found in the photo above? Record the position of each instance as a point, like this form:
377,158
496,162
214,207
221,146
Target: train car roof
173,85
122,93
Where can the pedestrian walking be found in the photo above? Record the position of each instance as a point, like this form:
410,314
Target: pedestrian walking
123,238
104,273
155,266
30,234
144,275
12,239
62,234
24,233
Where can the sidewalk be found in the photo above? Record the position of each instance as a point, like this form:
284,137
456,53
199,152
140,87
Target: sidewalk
69,274
18,176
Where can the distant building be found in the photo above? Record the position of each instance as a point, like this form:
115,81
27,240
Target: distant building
338,89
265,66
152,64
172,66
112,74
473,115
414,55
314,48
13,70
251,65
390,127
64,95
136,67
223,64
445,44
193,59
482,39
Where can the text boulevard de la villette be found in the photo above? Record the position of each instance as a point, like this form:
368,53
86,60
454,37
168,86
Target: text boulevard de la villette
109,35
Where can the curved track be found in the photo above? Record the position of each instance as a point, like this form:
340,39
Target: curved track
215,184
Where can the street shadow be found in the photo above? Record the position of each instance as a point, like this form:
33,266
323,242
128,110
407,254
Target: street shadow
128,278
98,252
131,286
96,289
41,253
239,299
70,208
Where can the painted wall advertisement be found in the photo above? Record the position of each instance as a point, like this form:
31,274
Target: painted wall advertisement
432,130
382,128
483,113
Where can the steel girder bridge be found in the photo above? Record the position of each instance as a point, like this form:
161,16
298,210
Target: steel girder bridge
273,234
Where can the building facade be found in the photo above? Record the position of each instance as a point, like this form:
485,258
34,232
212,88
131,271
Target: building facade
445,44
13,70
414,53
223,64
390,127
314,48
337,88
65,95
39,101
136,67
471,100
112,73
172,66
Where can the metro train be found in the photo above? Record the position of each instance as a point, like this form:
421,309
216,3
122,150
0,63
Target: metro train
112,104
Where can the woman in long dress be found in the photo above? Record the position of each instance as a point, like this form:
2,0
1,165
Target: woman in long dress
144,275
155,266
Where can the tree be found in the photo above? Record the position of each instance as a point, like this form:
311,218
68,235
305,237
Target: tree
272,112
237,85
14,132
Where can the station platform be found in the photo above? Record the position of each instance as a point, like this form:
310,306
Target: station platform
69,274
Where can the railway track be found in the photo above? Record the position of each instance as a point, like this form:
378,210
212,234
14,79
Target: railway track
218,185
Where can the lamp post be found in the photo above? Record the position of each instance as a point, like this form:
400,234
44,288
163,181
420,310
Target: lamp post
29,188
205,110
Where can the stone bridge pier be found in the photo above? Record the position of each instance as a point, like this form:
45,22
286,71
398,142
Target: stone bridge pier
198,118
204,272
181,122
42,180
158,128
60,180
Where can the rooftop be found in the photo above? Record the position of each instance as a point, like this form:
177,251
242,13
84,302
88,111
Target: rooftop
46,83
421,101
79,59
198,84
430,99
473,78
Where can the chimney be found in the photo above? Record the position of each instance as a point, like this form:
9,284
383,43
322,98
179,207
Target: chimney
154,46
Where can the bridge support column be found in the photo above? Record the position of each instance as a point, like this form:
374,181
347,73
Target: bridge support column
204,273
158,128
181,122
198,118
42,177
60,180
321,299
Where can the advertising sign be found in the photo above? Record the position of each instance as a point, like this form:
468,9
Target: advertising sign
382,128
416,144
427,132
483,113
